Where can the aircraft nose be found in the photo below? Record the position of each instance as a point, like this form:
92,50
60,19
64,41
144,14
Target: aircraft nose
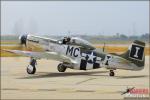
23,39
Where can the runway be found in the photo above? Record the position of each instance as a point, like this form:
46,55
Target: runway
48,83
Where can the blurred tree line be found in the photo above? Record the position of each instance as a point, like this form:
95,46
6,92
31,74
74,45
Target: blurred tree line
118,38
145,36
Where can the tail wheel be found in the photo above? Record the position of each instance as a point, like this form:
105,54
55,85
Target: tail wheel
61,68
31,69
111,73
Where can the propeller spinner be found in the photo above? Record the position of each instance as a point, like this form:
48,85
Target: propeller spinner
23,39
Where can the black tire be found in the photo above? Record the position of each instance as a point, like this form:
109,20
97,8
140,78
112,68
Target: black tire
31,71
111,73
61,68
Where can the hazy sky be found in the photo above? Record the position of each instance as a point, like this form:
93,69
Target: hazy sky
78,17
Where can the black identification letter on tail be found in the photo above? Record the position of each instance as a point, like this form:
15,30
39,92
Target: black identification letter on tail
136,52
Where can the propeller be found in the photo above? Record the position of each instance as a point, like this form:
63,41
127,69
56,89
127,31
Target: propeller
21,43
22,26
23,39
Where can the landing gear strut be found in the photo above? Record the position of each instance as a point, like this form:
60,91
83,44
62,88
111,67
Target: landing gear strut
111,73
61,67
31,69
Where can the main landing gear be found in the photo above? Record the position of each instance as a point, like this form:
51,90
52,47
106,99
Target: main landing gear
61,67
111,73
31,69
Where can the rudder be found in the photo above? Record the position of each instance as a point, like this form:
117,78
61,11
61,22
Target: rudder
135,54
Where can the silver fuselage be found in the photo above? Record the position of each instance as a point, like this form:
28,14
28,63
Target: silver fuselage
85,59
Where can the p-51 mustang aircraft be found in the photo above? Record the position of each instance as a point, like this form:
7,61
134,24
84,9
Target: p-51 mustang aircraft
76,53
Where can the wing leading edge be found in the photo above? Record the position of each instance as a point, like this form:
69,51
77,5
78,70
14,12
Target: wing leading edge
44,55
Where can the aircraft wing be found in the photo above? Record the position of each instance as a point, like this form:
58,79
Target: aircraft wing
44,55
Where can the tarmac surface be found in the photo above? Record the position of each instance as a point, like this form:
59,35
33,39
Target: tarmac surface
48,83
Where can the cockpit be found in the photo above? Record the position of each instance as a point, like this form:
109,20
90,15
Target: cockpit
76,41
66,40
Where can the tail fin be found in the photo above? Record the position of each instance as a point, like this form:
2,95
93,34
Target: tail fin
135,54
